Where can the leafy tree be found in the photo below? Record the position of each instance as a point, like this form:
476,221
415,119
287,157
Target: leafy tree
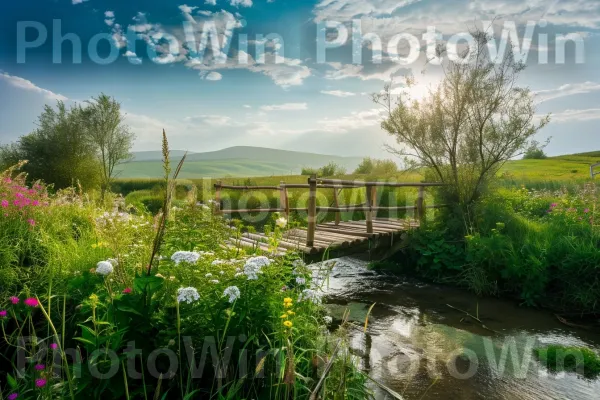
464,130
535,151
58,151
109,134
331,169
366,166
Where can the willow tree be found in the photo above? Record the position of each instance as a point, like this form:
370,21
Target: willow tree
109,135
469,125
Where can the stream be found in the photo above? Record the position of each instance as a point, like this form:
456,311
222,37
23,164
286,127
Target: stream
421,348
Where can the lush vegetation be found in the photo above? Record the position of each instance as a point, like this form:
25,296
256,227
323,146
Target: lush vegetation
538,245
572,359
101,300
328,170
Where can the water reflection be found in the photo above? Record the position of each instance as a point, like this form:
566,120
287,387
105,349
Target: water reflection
423,349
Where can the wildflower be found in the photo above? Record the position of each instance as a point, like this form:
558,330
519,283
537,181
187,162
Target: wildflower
287,300
53,346
31,302
31,222
283,316
159,276
127,290
300,281
298,263
281,222
13,396
233,292
104,268
4,203
217,262
171,278
287,305
40,382
214,281
113,261
222,272
185,256
253,266
208,275
39,367
188,294
171,342
14,299
3,314
587,210
309,294
553,205
288,324
290,312
328,320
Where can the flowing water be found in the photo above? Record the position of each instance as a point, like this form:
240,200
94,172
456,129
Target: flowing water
423,349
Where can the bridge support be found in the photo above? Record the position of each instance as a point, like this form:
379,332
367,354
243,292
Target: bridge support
312,211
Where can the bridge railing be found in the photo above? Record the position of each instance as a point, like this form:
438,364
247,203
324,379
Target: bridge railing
369,208
593,173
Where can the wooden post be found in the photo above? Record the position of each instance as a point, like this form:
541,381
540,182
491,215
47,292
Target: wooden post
218,197
420,205
369,214
284,201
312,211
336,201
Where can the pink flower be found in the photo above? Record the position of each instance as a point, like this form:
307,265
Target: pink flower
53,346
587,210
19,195
31,302
14,300
31,222
39,367
4,203
40,382
8,180
13,396
35,203
3,314
127,290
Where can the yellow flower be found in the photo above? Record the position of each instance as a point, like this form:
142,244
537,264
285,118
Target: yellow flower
94,246
287,300
288,324
290,312
283,316
287,305
94,299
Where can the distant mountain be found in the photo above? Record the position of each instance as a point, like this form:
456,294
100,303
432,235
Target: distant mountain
233,161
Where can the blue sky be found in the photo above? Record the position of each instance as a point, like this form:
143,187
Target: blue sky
295,104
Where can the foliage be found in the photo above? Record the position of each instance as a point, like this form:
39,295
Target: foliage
535,151
469,126
58,151
330,169
572,359
105,126
376,167
76,281
541,246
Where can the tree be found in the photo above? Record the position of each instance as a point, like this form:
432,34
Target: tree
58,151
464,130
366,166
535,151
376,167
109,134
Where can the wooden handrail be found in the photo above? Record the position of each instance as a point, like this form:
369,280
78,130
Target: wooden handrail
339,182
233,187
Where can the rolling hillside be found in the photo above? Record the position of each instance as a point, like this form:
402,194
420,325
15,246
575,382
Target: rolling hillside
234,161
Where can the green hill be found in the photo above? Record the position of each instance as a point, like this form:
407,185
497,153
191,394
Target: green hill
237,161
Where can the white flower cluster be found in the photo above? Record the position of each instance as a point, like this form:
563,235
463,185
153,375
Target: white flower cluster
232,292
300,280
281,222
298,263
253,266
310,295
113,261
188,294
186,256
112,217
328,320
104,268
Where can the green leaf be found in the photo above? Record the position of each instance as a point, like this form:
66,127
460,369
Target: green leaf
82,340
12,382
150,283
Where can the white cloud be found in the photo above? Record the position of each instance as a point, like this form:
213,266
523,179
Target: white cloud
129,53
569,89
576,115
247,106
213,76
78,1
285,107
243,3
24,84
186,9
338,93
356,120
383,72
210,2
109,14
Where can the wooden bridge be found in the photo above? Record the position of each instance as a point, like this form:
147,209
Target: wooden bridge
346,236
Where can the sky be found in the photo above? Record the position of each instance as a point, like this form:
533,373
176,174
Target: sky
280,73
